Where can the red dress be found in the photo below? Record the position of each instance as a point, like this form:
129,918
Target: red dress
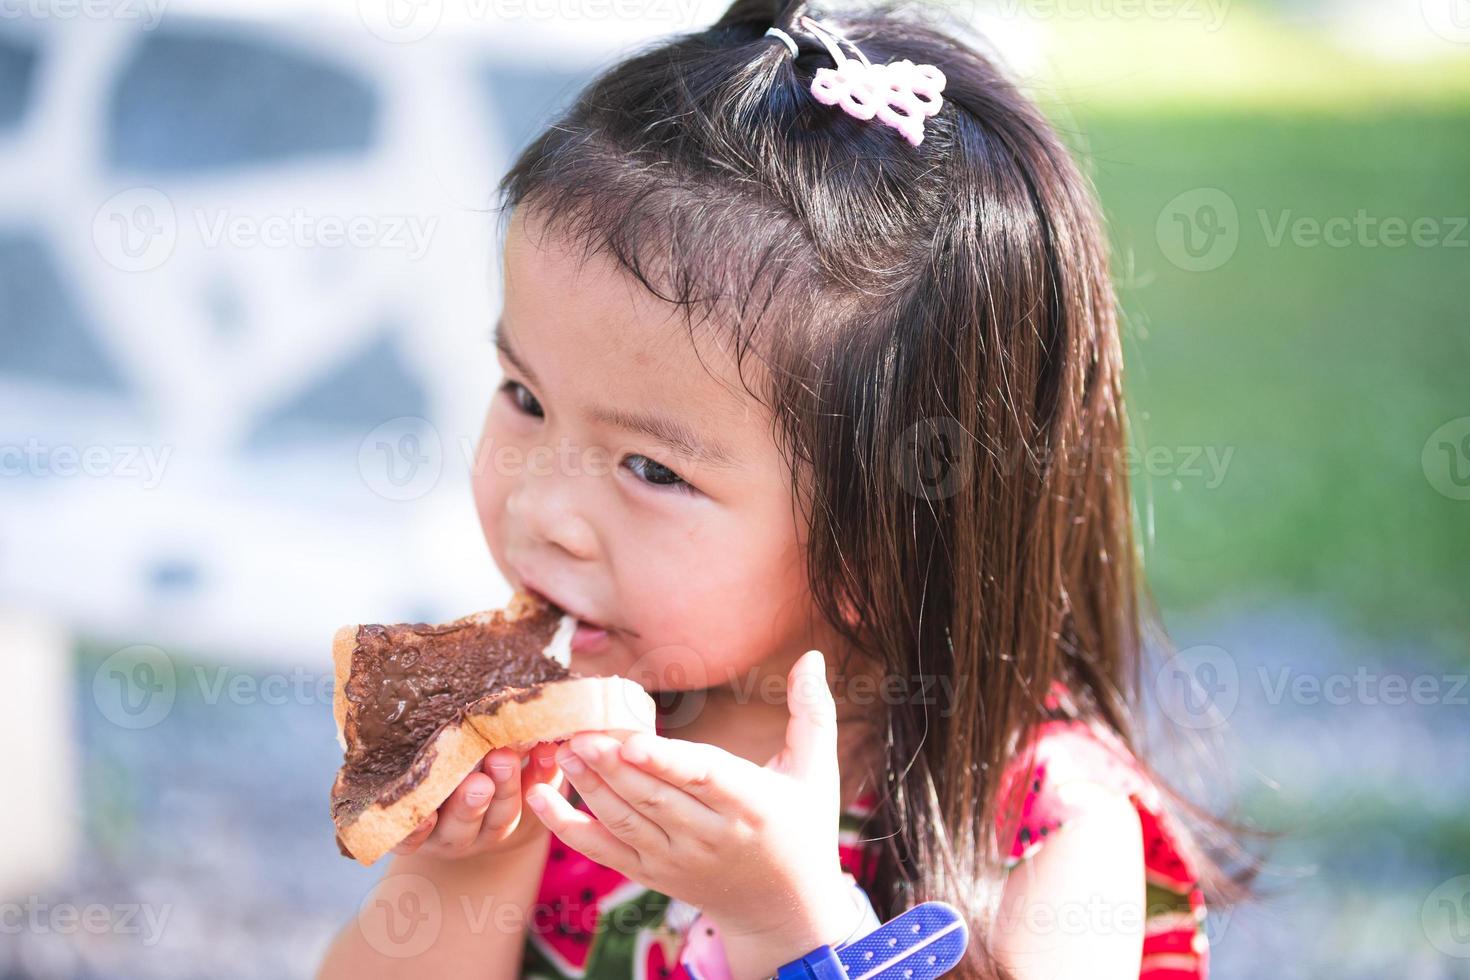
589,921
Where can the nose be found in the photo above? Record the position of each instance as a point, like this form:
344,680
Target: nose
545,507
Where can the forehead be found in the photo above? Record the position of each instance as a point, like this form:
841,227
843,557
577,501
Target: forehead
591,332
562,292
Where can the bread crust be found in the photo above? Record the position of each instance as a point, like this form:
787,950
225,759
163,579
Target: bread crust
554,712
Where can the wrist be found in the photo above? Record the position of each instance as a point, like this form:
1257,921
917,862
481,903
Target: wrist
828,920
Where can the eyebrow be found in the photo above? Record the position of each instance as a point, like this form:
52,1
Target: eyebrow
671,432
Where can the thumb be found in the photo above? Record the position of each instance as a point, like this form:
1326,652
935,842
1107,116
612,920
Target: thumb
811,734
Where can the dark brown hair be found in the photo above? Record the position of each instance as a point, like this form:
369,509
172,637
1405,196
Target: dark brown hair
942,359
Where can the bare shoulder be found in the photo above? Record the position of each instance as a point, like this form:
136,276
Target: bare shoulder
1076,906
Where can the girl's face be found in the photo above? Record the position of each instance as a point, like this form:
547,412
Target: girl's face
620,480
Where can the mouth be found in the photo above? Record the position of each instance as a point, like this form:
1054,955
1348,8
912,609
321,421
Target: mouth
590,635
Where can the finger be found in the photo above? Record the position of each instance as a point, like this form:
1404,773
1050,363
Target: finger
503,814
666,805
418,835
583,832
720,780
811,732
614,812
501,764
460,815
542,766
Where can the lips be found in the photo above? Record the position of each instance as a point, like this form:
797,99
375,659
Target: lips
569,610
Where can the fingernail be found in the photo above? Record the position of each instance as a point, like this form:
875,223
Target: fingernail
537,803
570,763
475,799
500,770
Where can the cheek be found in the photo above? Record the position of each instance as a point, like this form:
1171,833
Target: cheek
490,486
716,605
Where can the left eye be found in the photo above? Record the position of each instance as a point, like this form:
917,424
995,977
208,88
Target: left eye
524,401
654,473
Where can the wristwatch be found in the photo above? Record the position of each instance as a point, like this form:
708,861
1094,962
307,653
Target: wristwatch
703,956
925,941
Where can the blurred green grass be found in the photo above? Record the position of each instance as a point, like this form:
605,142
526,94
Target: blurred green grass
1223,54
1316,374
1323,370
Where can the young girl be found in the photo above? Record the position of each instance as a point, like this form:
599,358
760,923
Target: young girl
818,429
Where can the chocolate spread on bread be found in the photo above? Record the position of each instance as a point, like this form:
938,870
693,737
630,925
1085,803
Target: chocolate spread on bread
410,681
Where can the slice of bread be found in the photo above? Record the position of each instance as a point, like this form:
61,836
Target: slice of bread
417,708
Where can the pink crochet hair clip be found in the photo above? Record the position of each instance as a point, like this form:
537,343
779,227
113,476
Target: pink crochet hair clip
900,94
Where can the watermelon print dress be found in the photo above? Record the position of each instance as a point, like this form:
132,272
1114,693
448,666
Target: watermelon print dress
591,922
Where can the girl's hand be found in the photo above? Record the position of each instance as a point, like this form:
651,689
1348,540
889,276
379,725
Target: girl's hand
484,813
754,848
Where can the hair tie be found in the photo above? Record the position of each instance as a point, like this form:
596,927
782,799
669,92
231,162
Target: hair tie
786,38
900,94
